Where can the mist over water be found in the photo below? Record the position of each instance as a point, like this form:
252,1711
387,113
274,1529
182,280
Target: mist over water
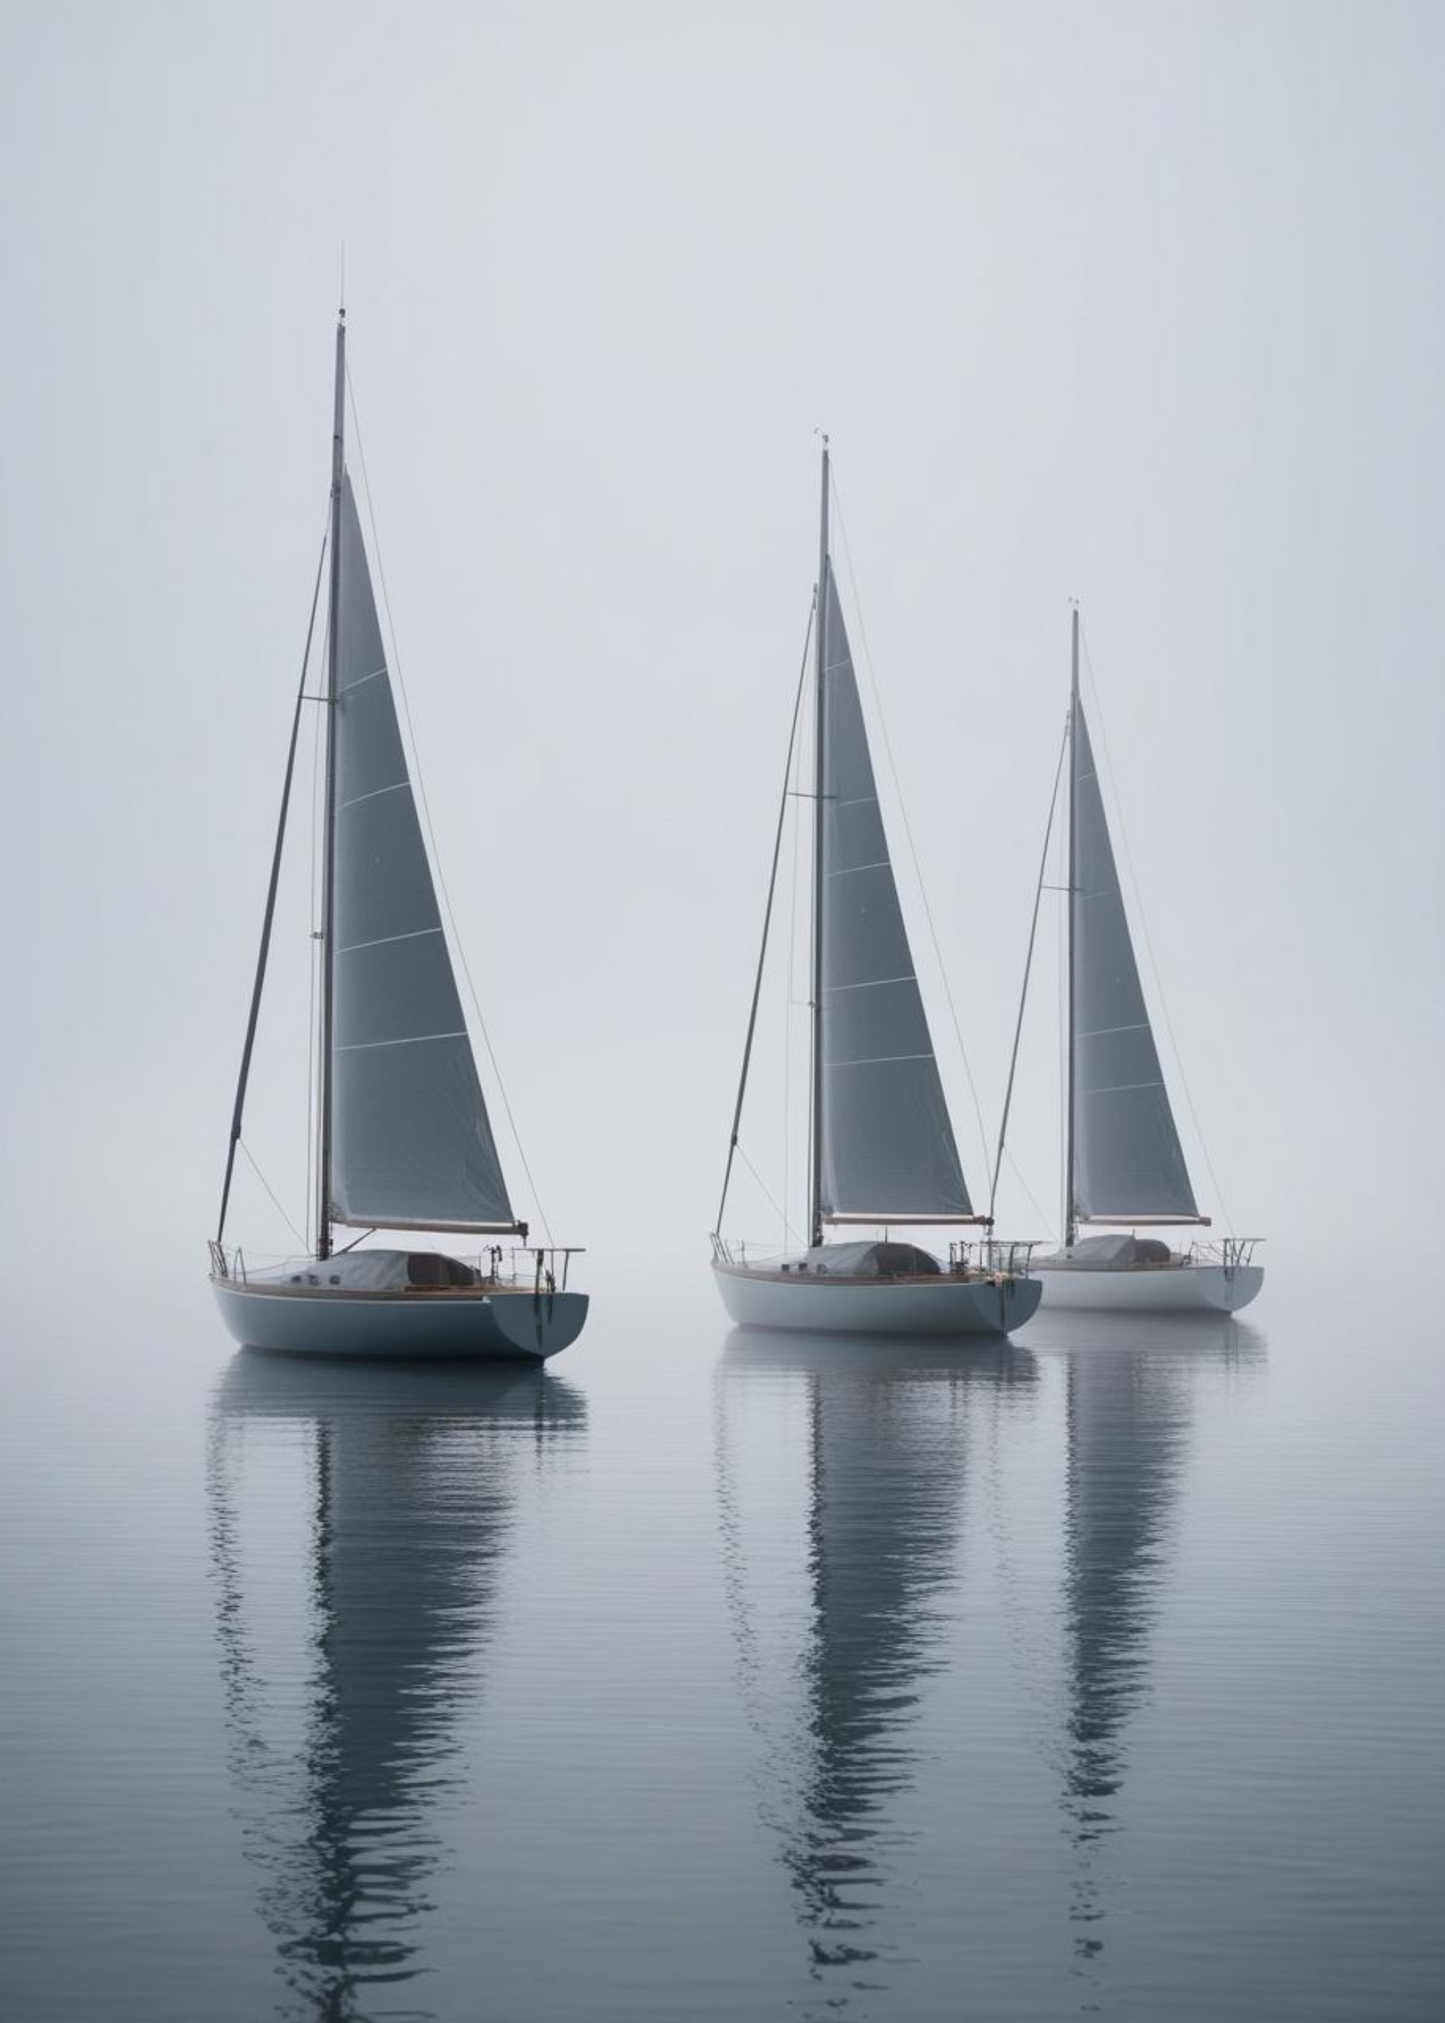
721,1674
701,1676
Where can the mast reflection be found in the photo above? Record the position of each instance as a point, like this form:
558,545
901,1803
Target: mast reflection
1131,1391
841,1468
359,1522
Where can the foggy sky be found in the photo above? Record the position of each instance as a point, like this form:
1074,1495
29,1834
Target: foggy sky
1140,304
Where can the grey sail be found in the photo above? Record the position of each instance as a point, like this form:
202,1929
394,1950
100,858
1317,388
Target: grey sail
1128,1161
411,1145
887,1147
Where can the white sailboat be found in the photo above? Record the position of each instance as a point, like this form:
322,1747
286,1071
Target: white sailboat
1124,1167
403,1139
882,1151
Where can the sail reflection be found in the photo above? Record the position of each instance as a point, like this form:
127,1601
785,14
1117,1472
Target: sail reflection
1131,1391
841,1469
359,1522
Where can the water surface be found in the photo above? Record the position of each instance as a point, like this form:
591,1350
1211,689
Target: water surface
722,1675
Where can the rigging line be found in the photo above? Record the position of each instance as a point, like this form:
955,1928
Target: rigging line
313,1035
269,916
907,826
783,1213
1061,964
788,1012
1160,998
791,1000
1018,1173
251,1157
1028,966
767,922
457,943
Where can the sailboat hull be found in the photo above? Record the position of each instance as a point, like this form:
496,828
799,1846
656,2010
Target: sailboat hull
942,1306
318,1321
1153,1289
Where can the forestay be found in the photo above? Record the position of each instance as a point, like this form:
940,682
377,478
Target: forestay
1127,1157
887,1143
411,1142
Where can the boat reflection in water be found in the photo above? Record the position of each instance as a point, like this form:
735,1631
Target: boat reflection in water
1132,1386
841,1468
360,1517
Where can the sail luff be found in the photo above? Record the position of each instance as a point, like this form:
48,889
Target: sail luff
887,1145
328,902
412,1146
1126,1162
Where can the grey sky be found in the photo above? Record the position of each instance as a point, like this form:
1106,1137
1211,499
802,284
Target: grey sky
1143,304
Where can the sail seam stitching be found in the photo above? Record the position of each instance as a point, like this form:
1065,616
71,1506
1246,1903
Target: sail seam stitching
881,1060
1123,1088
360,679
1140,1026
847,870
384,940
868,983
395,788
408,1040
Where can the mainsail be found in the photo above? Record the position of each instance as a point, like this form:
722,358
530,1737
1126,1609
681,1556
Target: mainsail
411,1146
887,1147
1128,1163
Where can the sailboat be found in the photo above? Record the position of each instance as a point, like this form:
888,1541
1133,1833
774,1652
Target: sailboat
403,1138
1124,1167
882,1150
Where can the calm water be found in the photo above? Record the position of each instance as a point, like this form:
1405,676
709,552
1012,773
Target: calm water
725,1677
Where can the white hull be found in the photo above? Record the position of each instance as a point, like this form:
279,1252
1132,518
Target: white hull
1152,1289
924,1306
318,1321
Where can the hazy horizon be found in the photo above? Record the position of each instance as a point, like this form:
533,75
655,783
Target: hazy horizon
1142,306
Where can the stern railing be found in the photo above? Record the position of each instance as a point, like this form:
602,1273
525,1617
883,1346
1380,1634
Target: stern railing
1229,1251
989,1257
992,1256
510,1265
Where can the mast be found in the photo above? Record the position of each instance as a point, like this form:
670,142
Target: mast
815,1185
323,1190
1071,1227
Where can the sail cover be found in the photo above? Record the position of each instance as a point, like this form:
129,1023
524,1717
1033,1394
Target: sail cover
411,1145
1127,1158
887,1143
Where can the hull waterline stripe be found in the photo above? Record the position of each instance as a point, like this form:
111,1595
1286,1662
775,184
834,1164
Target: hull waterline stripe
411,1040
